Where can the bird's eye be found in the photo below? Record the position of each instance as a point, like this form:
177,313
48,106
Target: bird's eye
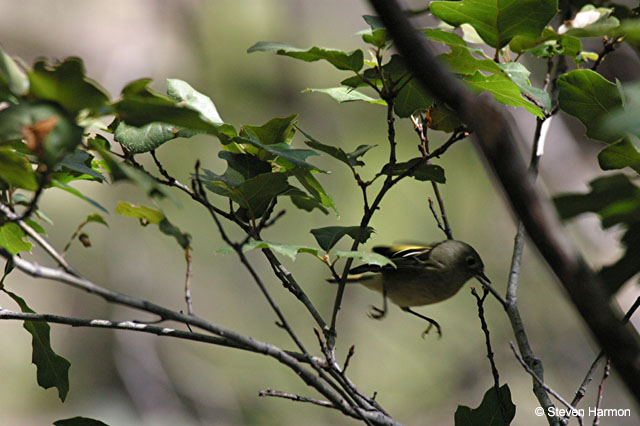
471,261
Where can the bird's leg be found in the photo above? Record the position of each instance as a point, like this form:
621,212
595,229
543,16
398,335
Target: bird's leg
377,313
431,322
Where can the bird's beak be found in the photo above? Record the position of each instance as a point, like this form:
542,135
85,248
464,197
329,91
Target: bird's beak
483,278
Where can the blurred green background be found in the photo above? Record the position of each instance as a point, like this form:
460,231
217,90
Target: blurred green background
125,378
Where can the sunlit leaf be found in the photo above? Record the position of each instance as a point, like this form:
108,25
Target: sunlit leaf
352,61
16,170
12,238
284,249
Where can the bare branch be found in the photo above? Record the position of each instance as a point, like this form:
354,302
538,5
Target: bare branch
293,397
546,388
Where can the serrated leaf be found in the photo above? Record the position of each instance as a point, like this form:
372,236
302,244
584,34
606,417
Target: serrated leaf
79,421
67,84
498,21
12,239
367,257
503,90
52,369
496,409
16,170
73,191
284,249
12,76
588,96
329,236
346,94
352,61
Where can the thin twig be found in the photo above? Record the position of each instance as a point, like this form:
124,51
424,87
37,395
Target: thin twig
609,45
594,365
605,375
435,215
293,397
187,282
544,386
485,329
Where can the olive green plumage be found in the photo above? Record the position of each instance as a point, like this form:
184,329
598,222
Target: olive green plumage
422,274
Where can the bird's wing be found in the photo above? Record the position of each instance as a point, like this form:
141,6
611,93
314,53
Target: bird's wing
408,256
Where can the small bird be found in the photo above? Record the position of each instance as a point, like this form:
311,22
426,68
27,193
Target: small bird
422,275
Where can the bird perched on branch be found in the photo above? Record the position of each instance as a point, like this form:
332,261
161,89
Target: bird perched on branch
421,275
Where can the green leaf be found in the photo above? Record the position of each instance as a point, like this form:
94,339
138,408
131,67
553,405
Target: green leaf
462,61
621,154
614,198
12,239
588,96
441,117
519,74
444,37
314,188
617,201
503,90
616,274
49,132
411,99
367,257
346,94
52,369
342,60
143,213
498,21
16,170
140,105
80,161
96,218
284,249
148,215
11,76
67,84
350,159
329,236
182,92
241,167
79,421
150,136
377,34
549,43
625,120
36,226
496,409
275,131
421,170
296,157
73,191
